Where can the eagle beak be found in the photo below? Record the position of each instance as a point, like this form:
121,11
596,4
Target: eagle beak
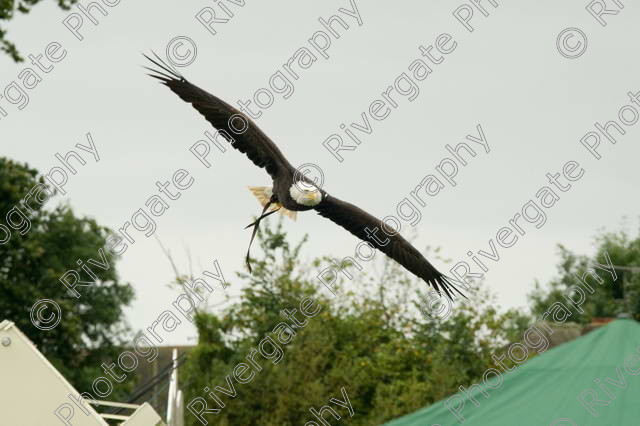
313,196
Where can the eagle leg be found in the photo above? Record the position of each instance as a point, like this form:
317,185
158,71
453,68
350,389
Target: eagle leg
255,229
257,221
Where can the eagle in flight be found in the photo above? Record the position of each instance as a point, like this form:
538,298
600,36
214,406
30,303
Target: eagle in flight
292,191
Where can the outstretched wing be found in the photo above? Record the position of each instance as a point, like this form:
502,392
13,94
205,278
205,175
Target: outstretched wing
230,122
357,221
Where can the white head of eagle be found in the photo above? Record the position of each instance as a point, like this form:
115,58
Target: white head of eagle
304,194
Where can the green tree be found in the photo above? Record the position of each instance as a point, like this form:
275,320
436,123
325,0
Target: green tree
31,265
613,296
370,339
8,9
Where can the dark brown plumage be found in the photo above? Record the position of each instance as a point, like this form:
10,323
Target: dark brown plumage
264,153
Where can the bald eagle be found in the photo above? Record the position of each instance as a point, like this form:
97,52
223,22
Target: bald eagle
291,191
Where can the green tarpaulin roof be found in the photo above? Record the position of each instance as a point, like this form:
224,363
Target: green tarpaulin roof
545,389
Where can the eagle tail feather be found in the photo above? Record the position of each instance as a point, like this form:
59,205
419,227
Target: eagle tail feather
263,194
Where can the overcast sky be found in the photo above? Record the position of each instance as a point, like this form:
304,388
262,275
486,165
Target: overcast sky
533,104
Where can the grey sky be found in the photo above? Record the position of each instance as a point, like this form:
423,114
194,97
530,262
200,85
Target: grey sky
533,104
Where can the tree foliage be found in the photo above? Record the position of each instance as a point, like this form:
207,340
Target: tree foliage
91,326
8,9
613,296
369,339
